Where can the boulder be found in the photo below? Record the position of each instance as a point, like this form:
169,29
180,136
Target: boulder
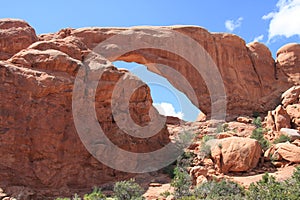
235,154
287,151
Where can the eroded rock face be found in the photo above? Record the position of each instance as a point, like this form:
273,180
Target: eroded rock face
285,115
15,35
288,63
39,145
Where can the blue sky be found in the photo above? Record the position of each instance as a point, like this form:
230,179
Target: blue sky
273,22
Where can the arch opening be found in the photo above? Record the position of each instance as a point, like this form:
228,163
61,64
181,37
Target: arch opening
167,99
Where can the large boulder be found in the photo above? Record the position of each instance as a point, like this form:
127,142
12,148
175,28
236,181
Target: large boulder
235,154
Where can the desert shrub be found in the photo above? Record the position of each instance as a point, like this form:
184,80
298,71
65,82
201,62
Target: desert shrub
128,190
222,128
96,194
181,182
219,190
62,198
186,159
207,137
292,185
169,170
258,134
165,194
257,122
268,188
188,198
205,150
281,139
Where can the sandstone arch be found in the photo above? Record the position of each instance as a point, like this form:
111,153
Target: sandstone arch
247,70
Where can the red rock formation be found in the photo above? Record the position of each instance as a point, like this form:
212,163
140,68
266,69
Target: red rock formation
39,145
15,35
286,115
248,71
288,63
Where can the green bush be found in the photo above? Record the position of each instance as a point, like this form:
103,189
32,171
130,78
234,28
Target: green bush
292,185
181,182
128,190
258,134
205,150
281,139
268,188
222,128
76,197
257,122
95,195
186,159
188,198
207,137
219,190
265,189
165,194
169,170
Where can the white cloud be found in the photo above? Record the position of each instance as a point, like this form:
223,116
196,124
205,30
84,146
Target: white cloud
268,16
258,38
233,24
284,22
167,109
